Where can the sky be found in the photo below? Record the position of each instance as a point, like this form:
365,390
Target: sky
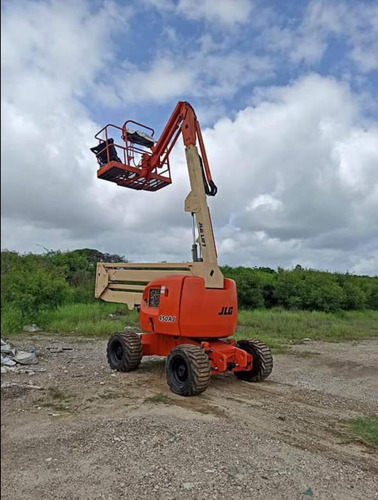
287,97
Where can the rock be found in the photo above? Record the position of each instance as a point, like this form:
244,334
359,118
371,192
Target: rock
31,328
7,385
188,486
26,358
6,369
21,369
30,386
15,356
308,492
7,361
131,329
7,348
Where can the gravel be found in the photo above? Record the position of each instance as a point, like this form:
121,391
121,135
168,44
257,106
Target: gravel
110,438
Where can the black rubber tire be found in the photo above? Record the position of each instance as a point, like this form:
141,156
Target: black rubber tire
188,370
262,360
124,351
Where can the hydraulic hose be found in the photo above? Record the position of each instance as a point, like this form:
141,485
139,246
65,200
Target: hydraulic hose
210,187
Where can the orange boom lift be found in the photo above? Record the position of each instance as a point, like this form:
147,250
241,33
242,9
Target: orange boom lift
187,312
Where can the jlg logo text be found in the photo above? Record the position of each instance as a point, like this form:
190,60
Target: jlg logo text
226,311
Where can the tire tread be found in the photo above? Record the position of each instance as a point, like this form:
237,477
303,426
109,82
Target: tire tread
261,355
133,351
200,369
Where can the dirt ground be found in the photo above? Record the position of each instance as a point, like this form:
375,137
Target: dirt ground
90,433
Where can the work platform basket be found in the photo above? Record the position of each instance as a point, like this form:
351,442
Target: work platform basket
124,155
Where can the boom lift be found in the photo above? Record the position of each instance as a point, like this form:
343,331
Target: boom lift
188,311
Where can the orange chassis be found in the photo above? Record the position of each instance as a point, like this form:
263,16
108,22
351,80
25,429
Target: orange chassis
223,355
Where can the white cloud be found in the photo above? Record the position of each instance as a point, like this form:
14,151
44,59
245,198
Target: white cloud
297,171
205,74
163,80
357,23
265,201
367,265
47,177
353,23
63,41
227,12
357,160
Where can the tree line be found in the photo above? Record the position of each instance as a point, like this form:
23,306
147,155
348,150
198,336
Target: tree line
305,289
33,282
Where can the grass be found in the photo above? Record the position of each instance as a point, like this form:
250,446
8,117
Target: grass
158,398
366,429
87,319
110,395
56,393
92,319
277,327
57,399
54,405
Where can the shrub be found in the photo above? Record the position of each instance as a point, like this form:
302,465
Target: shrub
354,297
309,290
255,286
11,319
29,285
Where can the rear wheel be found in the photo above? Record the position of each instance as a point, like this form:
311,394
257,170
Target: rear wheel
124,351
188,370
262,360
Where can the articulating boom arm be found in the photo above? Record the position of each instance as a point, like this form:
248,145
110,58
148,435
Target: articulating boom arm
184,121
125,282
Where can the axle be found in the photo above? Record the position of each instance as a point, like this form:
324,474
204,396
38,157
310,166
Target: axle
223,354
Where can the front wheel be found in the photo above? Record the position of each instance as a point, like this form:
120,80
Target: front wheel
188,370
124,351
262,360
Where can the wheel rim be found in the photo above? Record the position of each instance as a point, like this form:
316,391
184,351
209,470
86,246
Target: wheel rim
117,351
180,370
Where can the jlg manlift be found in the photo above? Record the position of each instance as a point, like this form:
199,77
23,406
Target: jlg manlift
187,312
